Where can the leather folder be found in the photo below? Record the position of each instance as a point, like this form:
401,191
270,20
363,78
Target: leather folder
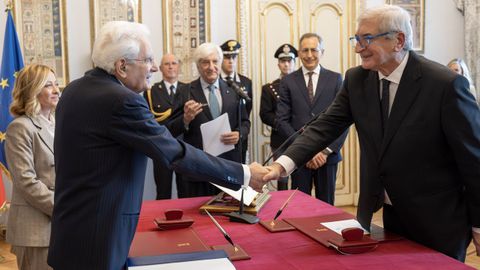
133,262
166,242
312,227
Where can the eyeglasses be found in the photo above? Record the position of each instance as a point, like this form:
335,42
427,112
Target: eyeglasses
147,60
366,40
312,50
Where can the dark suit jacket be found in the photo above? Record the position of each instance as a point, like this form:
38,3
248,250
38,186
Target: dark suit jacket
268,108
295,110
104,133
193,135
159,101
247,84
429,158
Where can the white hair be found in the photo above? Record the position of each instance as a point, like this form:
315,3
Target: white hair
117,40
205,50
390,18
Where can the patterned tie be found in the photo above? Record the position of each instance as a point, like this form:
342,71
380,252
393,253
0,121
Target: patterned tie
384,102
172,91
310,86
213,101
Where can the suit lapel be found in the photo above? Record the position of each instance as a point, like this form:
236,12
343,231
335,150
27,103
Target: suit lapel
407,92
225,92
44,135
372,96
197,94
301,85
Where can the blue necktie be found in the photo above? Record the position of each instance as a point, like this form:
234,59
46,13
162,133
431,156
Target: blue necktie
213,102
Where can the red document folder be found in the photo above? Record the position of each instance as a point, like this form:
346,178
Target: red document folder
311,226
166,242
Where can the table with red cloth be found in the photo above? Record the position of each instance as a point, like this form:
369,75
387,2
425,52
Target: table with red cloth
293,249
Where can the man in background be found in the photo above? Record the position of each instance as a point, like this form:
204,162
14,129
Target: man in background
161,101
201,101
230,49
304,94
286,55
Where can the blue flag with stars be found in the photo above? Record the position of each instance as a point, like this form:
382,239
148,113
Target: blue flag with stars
12,62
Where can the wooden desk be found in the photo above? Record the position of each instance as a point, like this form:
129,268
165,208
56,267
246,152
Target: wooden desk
294,250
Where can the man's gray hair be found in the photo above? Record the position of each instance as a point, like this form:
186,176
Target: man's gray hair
390,19
321,46
117,40
205,50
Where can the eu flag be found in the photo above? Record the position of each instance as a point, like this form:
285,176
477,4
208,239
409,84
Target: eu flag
12,62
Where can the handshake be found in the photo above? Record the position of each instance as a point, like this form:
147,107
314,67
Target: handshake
261,175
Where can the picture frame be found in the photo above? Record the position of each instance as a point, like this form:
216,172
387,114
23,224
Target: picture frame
103,11
186,26
42,32
416,9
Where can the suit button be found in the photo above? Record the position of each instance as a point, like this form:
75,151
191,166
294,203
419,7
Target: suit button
312,114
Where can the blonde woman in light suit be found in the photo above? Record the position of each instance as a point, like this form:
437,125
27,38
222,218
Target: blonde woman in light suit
29,152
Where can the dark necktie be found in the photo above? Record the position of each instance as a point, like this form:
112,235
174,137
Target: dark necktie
384,102
213,102
310,86
172,91
228,79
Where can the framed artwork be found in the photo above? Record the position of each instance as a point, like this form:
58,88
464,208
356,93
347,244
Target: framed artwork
103,11
416,8
185,28
41,28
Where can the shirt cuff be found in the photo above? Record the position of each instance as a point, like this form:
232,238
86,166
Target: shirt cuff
287,164
246,175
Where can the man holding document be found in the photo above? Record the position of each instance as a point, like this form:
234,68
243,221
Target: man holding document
202,101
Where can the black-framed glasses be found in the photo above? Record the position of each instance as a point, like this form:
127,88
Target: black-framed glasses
147,60
366,40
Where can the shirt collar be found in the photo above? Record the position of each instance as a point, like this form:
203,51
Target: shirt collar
315,71
167,84
205,84
396,75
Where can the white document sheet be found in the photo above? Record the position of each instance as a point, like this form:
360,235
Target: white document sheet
338,226
248,195
211,132
212,264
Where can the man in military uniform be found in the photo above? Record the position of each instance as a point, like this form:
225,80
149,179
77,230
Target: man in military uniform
229,74
286,55
161,101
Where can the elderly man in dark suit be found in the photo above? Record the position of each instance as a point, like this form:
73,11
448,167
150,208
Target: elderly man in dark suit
286,55
419,132
104,133
303,95
192,111
229,73
161,100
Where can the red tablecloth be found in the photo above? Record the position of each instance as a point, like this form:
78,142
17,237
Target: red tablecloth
294,250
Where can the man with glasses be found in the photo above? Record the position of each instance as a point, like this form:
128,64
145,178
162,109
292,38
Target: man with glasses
201,101
104,133
161,99
419,132
303,95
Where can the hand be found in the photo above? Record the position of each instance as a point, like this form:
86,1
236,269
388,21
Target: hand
317,161
257,173
230,138
476,242
275,172
191,109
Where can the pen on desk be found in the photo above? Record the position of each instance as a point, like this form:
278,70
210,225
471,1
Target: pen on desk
221,229
284,205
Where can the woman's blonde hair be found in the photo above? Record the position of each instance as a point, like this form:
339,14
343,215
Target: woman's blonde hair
28,84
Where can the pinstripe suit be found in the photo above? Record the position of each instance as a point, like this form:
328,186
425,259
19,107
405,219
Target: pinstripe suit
103,136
